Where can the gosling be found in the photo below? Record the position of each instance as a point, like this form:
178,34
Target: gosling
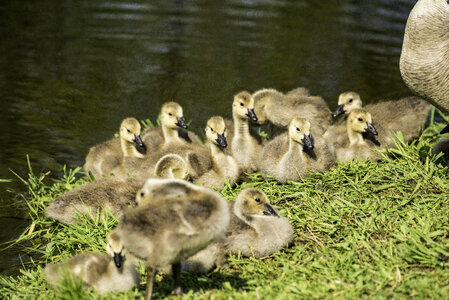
171,166
295,154
356,139
106,158
171,129
196,160
256,228
109,194
244,146
104,273
275,107
407,115
167,140
224,166
174,220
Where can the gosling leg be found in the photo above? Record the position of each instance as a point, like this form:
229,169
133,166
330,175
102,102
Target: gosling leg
176,270
150,279
221,257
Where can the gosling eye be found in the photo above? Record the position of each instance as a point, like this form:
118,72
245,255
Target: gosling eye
297,129
170,114
142,194
211,129
129,130
350,100
360,119
241,104
257,200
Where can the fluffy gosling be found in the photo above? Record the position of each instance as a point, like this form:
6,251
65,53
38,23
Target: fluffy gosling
407,115
224,166
107,157
256,228
244,147
174,220
356,139
104,273
295,153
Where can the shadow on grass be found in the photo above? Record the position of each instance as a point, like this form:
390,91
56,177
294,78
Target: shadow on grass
197,283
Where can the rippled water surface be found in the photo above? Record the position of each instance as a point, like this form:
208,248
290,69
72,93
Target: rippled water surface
70,71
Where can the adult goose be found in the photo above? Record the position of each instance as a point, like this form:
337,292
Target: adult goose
424,62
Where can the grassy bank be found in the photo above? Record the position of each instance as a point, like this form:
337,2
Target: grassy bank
362,229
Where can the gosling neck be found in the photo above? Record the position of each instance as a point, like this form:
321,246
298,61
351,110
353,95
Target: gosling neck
295,153
129,149
215,150
241,125
355,138
295,147
170,134
217,156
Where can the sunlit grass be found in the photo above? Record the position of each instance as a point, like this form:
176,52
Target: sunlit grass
362,229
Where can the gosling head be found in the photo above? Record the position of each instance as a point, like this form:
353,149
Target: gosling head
299,131
216,131
157,188
115,249
359,120
243,106
130,132
253,202
172,115
171,166
347,101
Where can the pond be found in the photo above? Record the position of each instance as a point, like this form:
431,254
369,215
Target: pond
70,71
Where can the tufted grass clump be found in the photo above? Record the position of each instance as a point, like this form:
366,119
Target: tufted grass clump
362,229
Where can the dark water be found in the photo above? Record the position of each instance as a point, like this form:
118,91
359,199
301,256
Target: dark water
70,71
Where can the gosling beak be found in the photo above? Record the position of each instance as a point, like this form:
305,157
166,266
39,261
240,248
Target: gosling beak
138,140
445,129
118,259
340,110
308,142
371,128
251,114
221,140
270,211
181,123
140,146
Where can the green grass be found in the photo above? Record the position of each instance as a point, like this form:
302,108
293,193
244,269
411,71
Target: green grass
362,229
